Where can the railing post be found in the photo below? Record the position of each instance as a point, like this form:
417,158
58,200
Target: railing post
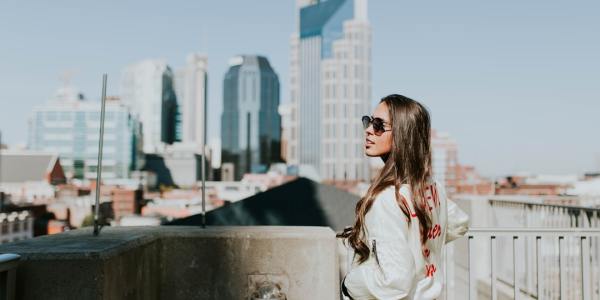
585,267
539,275
472,288
493,267
516,289
561,268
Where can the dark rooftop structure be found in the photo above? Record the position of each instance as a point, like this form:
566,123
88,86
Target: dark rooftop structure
301,202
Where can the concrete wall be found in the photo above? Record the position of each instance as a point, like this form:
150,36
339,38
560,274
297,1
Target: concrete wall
178,263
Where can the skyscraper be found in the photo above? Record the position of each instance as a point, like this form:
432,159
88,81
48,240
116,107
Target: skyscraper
69,125
330,85
147,88
250,124
191,89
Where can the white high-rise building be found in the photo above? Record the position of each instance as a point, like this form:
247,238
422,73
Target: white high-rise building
191,89
330,84
147,88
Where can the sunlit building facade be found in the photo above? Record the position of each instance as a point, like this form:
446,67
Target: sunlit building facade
191,90
147,88
330,85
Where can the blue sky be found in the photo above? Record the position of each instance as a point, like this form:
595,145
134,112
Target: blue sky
516,83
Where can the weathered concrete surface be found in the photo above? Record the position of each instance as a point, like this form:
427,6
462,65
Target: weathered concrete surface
220,261
174,262
77,265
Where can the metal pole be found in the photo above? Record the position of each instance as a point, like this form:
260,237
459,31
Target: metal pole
99,168
1,189
204,160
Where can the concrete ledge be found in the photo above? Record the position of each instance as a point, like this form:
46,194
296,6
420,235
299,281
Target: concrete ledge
178,263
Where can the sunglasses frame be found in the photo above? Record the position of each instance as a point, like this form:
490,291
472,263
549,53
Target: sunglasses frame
377,123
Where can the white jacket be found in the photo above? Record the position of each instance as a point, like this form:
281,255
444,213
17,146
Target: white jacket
399,267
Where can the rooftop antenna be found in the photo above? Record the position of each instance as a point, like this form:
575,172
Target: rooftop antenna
99,168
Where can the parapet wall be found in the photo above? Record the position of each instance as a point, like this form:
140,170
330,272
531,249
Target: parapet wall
176,262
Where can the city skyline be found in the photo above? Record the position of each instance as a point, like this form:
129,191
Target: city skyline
523,79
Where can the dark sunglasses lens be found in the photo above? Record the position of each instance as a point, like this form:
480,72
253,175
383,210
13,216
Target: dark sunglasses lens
366,120
378,125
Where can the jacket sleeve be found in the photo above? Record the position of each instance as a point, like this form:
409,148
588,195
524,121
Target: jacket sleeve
458,222
392,274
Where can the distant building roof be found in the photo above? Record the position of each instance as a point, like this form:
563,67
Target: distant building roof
301,202
26,166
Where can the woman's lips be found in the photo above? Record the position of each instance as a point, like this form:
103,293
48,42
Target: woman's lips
368,142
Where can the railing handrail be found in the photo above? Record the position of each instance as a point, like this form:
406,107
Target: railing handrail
533,203
533,231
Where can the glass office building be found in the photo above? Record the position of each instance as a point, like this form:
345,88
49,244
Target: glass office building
70,126
250,124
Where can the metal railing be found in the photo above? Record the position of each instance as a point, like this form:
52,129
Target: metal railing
547,214
533,252
8,275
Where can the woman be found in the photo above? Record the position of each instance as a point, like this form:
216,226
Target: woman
405,218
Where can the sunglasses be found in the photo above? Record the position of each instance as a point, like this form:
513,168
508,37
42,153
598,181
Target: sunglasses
377,123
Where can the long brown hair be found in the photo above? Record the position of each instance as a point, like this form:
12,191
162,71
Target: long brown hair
409,162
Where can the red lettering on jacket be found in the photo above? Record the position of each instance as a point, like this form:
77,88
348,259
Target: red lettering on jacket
434,232
430,270
426,252
434,194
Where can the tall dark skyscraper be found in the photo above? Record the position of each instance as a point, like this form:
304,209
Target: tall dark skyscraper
169,112
250,124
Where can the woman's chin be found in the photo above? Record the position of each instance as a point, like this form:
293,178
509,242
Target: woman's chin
371,153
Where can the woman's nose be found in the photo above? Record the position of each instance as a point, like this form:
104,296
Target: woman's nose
369,130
